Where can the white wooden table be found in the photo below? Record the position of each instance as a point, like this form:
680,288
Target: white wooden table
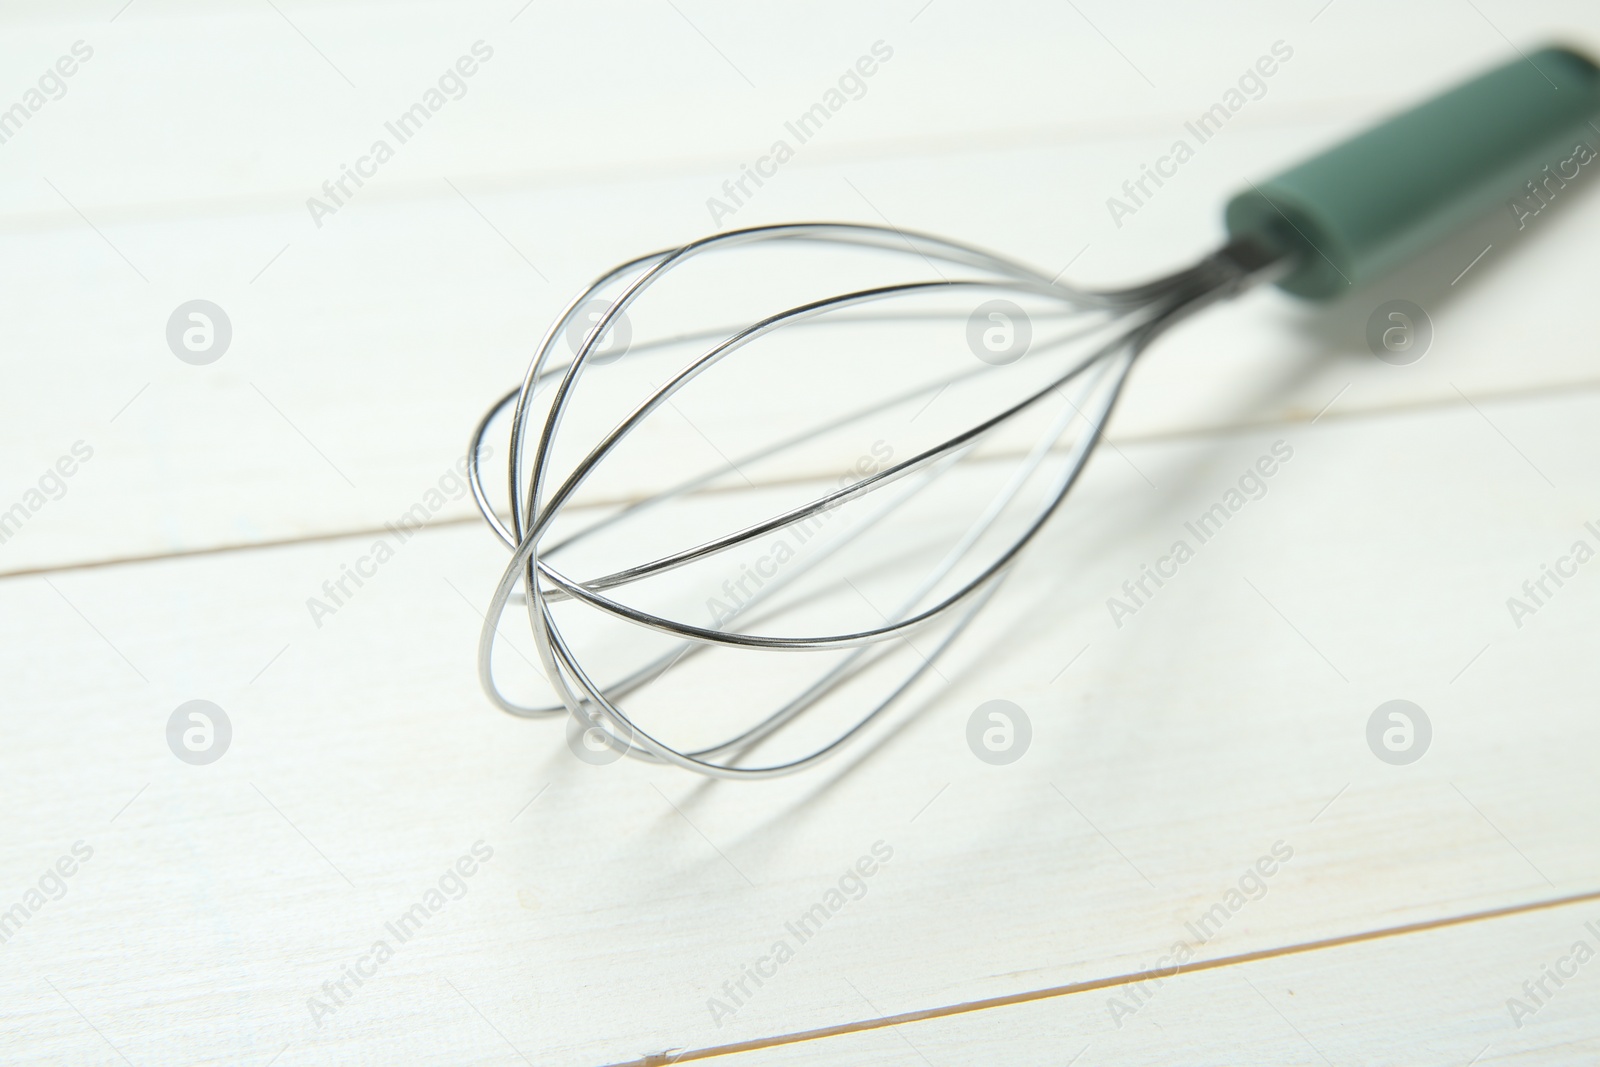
1015,913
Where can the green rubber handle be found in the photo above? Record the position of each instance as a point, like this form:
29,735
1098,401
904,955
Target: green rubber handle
1364,206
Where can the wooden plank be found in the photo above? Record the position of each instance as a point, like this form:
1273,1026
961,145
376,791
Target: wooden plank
1485,992
1227,715
215,917
290,94
364,350
335,413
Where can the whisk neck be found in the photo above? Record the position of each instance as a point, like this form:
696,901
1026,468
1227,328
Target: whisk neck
1246,261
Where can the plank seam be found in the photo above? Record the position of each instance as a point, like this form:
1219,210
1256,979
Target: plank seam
1051,992
1556,389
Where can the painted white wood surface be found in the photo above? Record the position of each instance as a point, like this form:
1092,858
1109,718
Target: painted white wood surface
1183,746
377,339
1170,755
1449,996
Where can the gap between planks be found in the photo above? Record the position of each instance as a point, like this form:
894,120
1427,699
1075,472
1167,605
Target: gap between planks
1009,999
874,151
1558,389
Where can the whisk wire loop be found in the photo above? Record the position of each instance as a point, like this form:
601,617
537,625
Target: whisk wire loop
1130,319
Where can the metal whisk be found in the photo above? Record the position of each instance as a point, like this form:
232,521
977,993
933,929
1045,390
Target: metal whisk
873,574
